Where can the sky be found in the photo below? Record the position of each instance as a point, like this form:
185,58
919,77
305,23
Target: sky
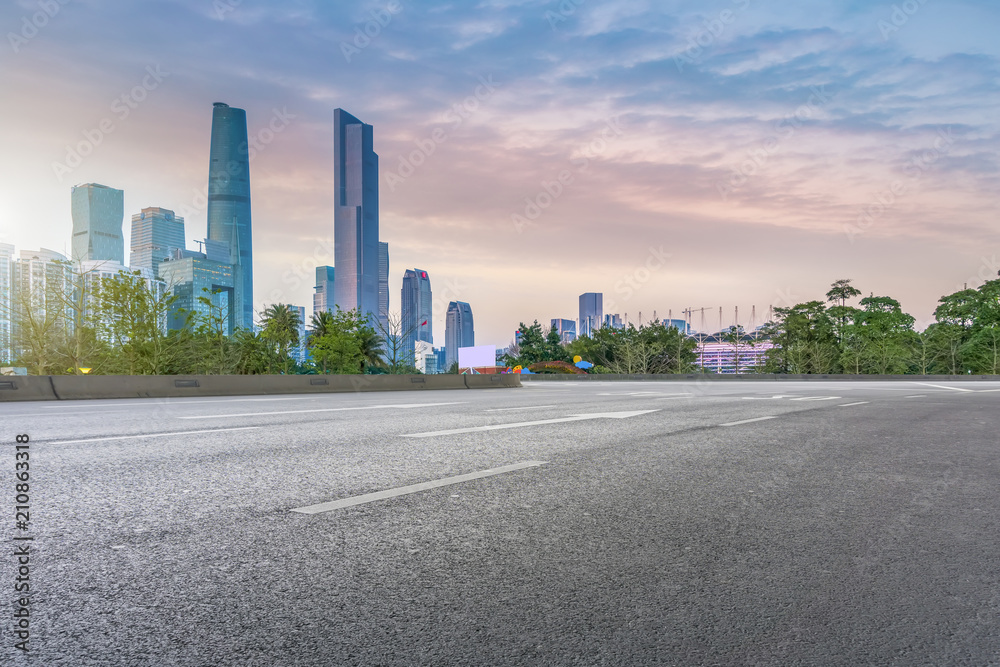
671,154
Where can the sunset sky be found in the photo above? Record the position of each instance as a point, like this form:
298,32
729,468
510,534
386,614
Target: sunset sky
713,153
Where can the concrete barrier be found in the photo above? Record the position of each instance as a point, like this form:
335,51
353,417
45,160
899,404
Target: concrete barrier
83,387
710,377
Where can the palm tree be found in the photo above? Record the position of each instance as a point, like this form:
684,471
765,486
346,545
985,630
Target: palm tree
280,324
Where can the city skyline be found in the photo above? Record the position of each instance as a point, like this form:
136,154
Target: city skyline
885,160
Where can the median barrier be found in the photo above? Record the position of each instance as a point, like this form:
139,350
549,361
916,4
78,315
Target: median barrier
751,377
83,387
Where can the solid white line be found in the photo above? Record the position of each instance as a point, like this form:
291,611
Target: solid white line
671,398
985,391
748,421
403,406
527,407
559,420
941,386
917,396
152,435
413,488
847,405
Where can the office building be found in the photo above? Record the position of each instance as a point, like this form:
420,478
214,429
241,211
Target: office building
156,234
613,321
300,352
6,302
383,283
42,286
323,295
458,332
189,275
566,330
355,227
591,312
680,325
92,273
424,358
415,300
229,203
98,212
440,356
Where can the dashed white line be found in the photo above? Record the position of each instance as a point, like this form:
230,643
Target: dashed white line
527,407
558,420
749,421
917,396
413,488
847,405
941,386
152,435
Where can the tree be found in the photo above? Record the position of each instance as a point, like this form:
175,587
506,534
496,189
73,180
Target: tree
804,340
133,313
344,342
735,336
280,326
396,359
530,348
883,335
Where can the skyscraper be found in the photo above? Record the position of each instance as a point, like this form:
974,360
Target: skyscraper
566,330
383,282
458,331
591,312
323,296
188,274
355,226
229,202
417,323
156,234
6,302
98,212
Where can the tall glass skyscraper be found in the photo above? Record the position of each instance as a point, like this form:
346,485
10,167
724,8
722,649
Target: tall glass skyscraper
417,310
98,212
591,312
229,202
323,295
458,331
355,226
383,282
156,234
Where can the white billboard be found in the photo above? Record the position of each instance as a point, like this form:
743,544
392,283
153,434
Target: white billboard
482,355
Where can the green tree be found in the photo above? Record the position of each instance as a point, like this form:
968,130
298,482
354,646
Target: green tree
882,336
804,340
344,342
280,326
133,314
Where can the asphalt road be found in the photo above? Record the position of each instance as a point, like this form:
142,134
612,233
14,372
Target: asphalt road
596,524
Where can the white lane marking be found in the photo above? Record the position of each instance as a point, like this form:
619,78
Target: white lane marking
767,398
497,427
413,488
400,406
817,398
748,421
671,398
917,396
168,401
985,391
941,386
527,407
153,435
847,405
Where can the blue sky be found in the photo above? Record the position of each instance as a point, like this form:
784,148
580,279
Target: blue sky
668,154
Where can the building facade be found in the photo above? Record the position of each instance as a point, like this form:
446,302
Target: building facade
323,295
459,331
383,283
229,218
355,227
190,275
591,312
98,212
566,330
416,303
156,234
6,303
42,294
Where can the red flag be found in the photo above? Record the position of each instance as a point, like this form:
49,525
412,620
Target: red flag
423,323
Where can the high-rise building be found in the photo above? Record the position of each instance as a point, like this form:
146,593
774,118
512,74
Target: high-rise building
301,352
229,203
355,226
6,302
613,321
415,300
190,275
591,312
42,287
156,234
98,212
424,358
93,272
566,330
458,331
440,355
323,296
383,283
